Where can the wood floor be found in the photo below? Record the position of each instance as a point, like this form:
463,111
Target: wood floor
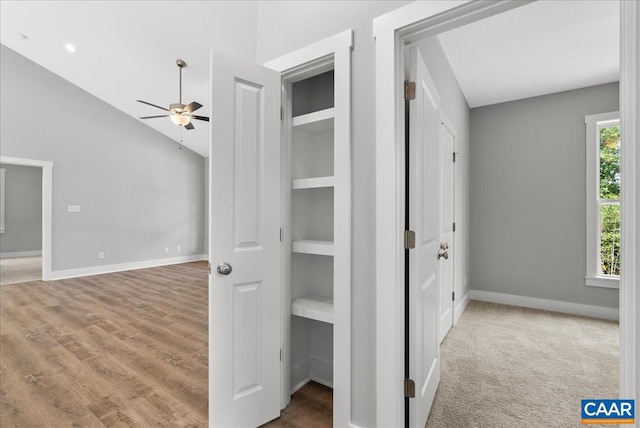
121,349
311,407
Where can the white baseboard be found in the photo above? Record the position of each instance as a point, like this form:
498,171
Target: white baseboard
322,372
98,270
311,369
461,306
20,254
547,305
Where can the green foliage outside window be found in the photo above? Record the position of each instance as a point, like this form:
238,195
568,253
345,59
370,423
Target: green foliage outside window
610,191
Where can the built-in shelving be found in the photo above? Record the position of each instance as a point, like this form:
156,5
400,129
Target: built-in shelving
312,183
318,122
320,248
313,307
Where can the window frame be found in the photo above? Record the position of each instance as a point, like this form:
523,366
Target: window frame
594,123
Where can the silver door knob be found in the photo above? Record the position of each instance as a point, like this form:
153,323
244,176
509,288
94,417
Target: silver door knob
444,245
224,269
443,254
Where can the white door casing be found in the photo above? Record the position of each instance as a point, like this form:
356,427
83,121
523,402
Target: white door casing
423,260
244,306
446,149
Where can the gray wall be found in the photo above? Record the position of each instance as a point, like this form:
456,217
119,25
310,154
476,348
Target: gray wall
455,106
23,209
528,196
138,191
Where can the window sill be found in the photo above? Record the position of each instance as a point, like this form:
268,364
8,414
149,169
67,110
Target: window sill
602,281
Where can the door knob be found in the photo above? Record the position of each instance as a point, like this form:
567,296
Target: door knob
224,269
443,254
444,245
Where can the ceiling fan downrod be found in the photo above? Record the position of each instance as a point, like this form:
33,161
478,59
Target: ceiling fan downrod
181,65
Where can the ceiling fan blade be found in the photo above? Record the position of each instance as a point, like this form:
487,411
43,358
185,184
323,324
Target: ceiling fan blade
189,126
152,105
205,118
153,117
192,107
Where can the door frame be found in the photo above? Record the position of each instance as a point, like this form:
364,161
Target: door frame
47,202
392,32
334,53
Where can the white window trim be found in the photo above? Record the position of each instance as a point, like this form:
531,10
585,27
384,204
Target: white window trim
593,278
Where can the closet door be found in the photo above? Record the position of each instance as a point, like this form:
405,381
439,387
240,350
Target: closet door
244,237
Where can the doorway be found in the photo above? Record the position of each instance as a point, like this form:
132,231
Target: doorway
392,34
20,224
40,269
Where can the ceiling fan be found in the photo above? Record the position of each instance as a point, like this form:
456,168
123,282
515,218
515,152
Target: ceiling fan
179,113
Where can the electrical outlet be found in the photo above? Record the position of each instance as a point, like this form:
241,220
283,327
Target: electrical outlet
179,249
101,256
166,250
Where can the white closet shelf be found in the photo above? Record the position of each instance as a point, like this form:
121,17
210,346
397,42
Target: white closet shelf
318,122
321,248
312,183
313,307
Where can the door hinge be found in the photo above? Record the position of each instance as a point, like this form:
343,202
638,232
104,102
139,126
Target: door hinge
409,90
409,239
409,388
454,156
281,113
280,354
209,267
280,234
454,226
453,296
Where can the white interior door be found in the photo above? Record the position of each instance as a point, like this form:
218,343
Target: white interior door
423,261
244,232
445,226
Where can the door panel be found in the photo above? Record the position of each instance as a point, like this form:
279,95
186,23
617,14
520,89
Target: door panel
248,195
445,225
423,263
244,231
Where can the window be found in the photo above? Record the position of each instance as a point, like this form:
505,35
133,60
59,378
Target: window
603,200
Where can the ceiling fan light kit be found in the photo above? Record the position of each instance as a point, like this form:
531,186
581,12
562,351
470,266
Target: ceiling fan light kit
179,113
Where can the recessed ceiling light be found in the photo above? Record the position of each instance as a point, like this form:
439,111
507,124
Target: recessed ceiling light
19,35
70,48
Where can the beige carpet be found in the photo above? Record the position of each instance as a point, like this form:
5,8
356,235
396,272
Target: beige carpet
20,269
505,366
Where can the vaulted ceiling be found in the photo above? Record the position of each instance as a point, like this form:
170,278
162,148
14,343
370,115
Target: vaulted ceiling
126,50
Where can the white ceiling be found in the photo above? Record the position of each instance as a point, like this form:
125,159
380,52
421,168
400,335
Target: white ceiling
127,50
540,48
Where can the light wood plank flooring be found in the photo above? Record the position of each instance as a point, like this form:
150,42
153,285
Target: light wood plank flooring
311,407
121,349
